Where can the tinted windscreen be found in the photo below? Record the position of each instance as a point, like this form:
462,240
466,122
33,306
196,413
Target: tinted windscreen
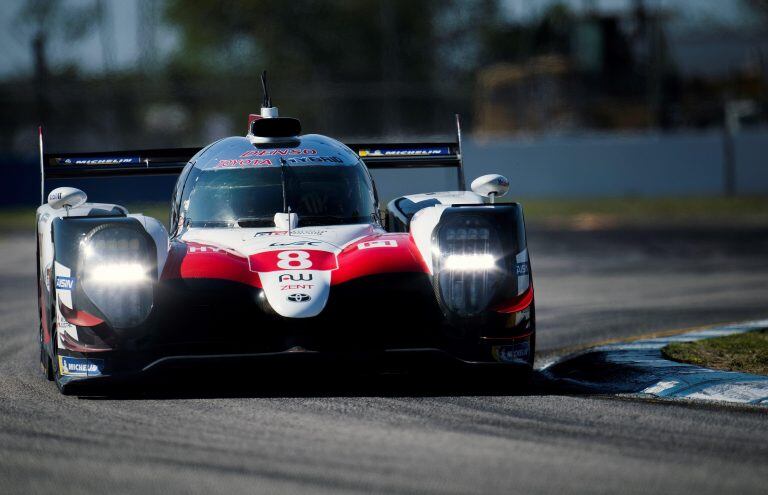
250,197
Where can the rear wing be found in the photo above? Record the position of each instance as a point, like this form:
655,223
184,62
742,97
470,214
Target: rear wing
116,163
173,160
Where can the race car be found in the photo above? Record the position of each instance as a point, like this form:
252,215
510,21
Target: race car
277,246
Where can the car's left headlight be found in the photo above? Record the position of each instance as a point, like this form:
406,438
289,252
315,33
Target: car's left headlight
118,273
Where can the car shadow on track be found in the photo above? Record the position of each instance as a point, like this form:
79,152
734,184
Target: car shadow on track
321,381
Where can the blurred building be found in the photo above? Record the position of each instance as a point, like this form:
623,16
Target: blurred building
621,71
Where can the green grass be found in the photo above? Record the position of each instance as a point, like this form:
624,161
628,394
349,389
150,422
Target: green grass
21,219
17,219
577,213
746,352
623,211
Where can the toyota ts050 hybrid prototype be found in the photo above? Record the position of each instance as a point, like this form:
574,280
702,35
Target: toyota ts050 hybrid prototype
277,246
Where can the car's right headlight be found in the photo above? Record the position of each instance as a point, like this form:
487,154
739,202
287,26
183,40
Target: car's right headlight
468,261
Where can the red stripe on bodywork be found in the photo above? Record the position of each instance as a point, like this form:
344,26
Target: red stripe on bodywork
355,262
73,345
80,318
193,260
516,304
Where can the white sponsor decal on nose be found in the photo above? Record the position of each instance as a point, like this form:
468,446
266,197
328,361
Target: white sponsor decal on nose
377,244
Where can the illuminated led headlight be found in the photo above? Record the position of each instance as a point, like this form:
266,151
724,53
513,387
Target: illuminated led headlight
468,270
118,273
118,265
468,262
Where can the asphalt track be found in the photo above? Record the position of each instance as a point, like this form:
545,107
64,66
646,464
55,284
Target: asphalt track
331,433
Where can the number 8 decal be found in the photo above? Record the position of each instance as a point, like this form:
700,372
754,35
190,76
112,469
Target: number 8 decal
294,260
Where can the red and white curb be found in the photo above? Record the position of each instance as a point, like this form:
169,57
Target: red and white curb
639,367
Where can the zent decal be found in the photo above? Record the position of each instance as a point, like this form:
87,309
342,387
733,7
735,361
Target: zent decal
296,287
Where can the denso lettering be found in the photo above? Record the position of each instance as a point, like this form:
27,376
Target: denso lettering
279,152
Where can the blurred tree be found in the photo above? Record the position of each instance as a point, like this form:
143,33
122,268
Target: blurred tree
308,40
548,34
760,7
394,57
41,20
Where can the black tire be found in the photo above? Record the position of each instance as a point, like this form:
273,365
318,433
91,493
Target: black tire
46,363
45,360
55,362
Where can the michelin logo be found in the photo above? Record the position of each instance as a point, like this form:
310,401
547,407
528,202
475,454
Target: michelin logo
65,283
72,366
512,353
406,152
103,161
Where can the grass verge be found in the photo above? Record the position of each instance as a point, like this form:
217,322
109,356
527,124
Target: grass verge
580,214
589,214
745,352
16,219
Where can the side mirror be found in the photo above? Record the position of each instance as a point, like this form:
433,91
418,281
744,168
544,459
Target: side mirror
490,186
66,197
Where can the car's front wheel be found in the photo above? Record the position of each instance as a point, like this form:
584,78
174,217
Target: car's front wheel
46,365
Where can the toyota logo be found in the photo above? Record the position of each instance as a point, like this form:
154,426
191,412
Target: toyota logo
299,297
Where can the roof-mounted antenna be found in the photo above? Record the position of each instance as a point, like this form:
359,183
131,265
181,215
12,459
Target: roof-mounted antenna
267,110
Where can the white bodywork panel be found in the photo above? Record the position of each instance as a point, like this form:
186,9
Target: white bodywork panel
449,197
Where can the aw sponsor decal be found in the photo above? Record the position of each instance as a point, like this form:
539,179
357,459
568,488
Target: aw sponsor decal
65,283
382,243
80,366
295,277
279,152
308,259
